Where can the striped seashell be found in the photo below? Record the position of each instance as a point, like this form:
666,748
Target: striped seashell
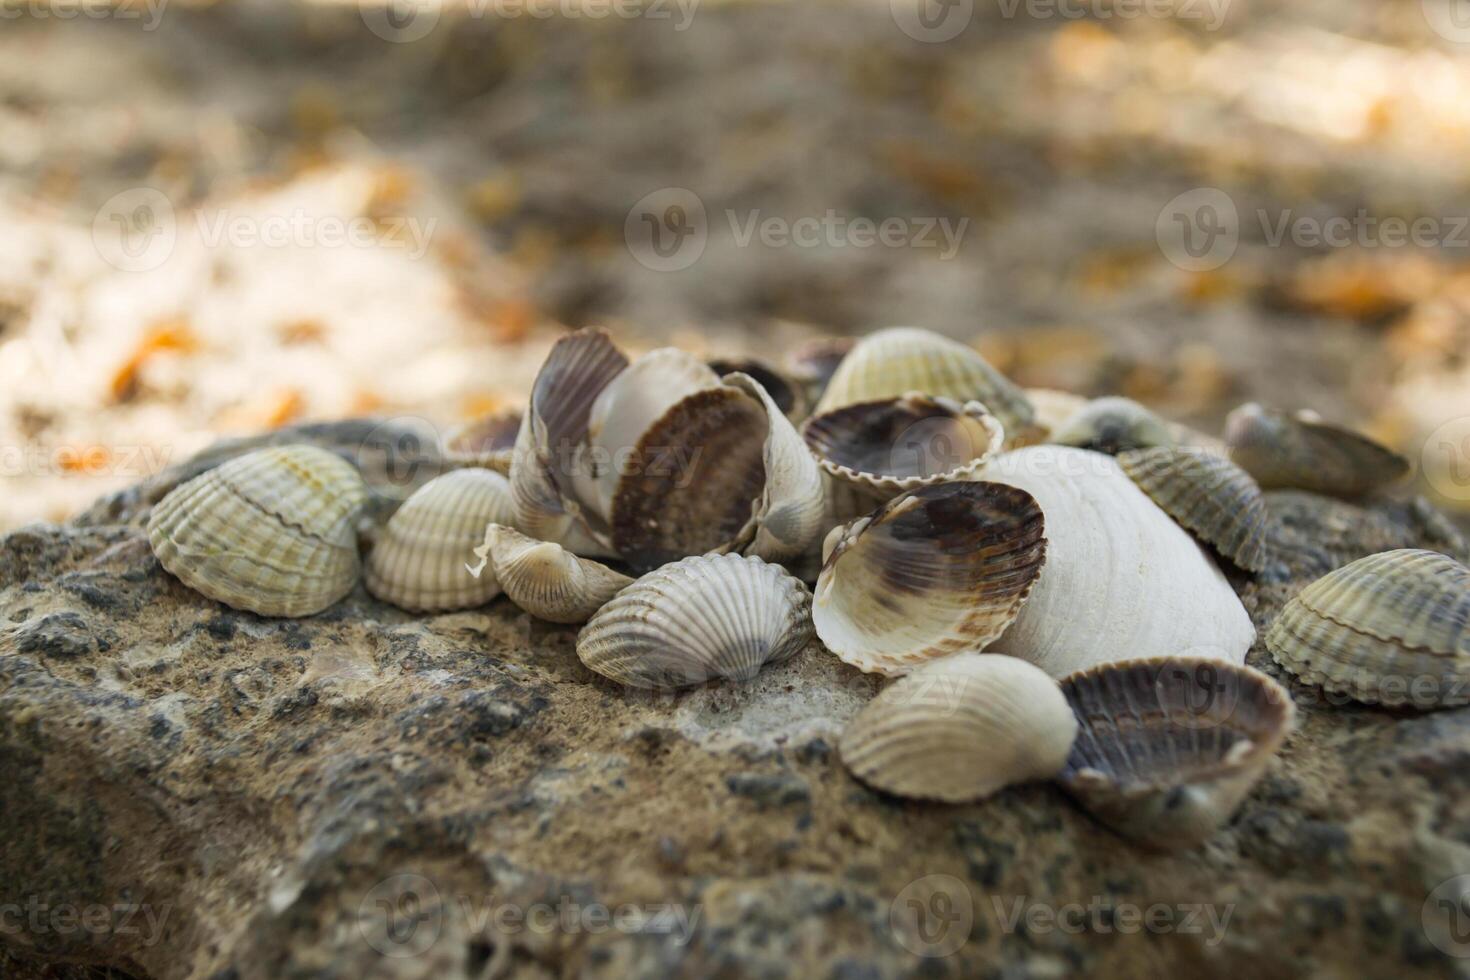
545,579
1208,495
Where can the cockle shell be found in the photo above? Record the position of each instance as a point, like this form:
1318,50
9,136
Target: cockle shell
488,441
1112,425
1300,451
891,362
1122,581
545,579
786,392
961,728
420,561
1168,747
1392,629
896,444
936,570
703,617
273,531
1207,494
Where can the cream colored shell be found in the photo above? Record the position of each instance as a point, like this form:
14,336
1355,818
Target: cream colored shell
961,728
545,579
424,558
1122,581
273,531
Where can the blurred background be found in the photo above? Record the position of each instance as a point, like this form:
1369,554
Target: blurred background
220,218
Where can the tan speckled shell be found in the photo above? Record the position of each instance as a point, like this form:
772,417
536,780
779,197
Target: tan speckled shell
961,728
273,531
1392,628
1302,452
934,571
420,560
1112,425
697,619
1168,747
1207,494
545,579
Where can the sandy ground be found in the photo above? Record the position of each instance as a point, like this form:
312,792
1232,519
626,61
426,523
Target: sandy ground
224,218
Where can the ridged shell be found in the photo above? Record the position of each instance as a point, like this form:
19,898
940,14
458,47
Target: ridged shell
704,617
787,394
1392,628
1168,747
419,561
1122,581
1112,425
934,571
1209,495
897,444
1302,452
891,362
960,729
545,579
273,531
488,441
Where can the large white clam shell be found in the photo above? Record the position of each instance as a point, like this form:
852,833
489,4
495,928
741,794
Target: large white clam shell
960,729
273,531
423,560
704,617
1122,581
545,579
934,571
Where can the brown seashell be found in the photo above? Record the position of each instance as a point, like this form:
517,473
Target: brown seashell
1208,495
1299,451
786,392
488,441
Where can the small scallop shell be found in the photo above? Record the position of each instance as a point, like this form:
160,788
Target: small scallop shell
1392,628
545,579
1112,425
419,561
891,362
488,441
273,531
1210,496
788,395
960,729
897,444
704,617
1169,746
934,571
1302,452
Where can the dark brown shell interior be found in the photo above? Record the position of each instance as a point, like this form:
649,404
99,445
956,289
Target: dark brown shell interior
900,438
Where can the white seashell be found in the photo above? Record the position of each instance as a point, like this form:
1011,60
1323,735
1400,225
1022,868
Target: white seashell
934,571
420,560
1122,581
272,532
1113,425
960,729
704,617
545,579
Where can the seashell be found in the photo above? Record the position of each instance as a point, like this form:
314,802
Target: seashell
488,441
703,617
1392,629
814,362
1122,581
1207,494
723,470
1053,407
961,728
420,560
1302,452
896,444
272,531
545,579
1168,747
891,362
786,393
1112,425
934,571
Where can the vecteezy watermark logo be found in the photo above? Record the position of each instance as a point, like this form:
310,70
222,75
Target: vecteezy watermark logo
135,230
667,230
36,917
1103,916
1199,229
1446,459
399,455
401,916
400,21
1446,916
932,21
1211,12
933,915
88,9
1450,19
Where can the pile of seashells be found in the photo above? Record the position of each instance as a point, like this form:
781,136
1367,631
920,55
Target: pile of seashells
1040,572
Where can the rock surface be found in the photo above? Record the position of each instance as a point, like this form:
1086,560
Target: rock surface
194,791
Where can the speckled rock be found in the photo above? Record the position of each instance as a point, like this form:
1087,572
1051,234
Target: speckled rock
194,791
